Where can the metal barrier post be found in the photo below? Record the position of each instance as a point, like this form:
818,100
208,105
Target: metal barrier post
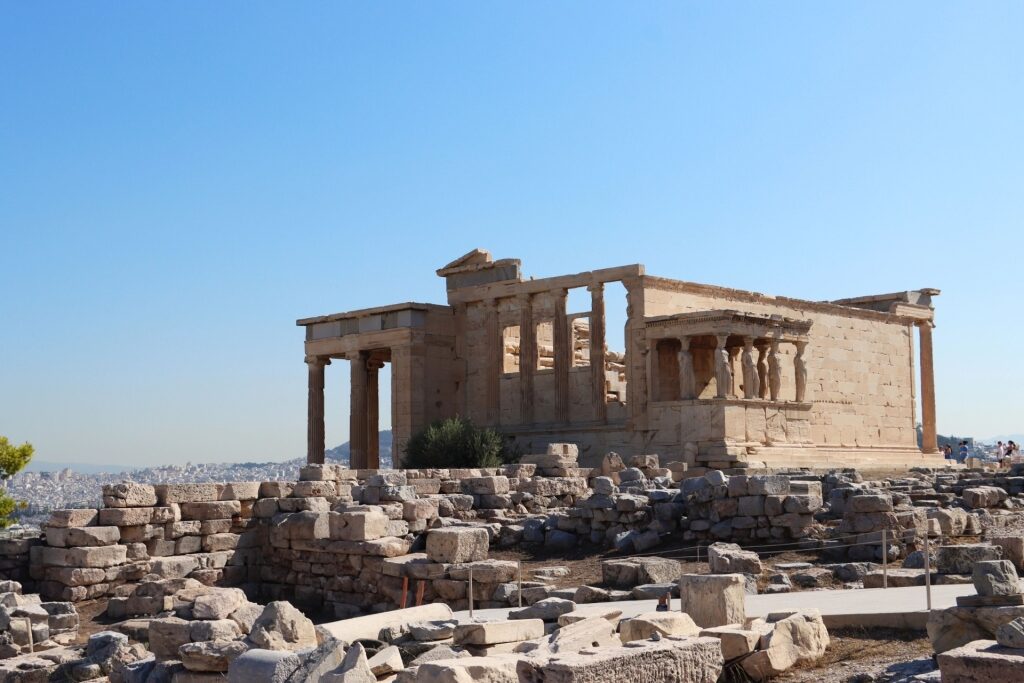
520,583
885,559
927,571
471,593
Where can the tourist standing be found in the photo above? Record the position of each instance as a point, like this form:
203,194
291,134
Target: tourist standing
965,452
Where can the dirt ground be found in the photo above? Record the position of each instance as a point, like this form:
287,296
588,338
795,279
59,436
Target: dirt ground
867,655
584,564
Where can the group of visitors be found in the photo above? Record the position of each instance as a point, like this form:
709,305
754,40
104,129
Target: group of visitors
963,452
1005,451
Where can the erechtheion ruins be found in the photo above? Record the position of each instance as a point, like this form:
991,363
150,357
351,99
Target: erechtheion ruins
711,376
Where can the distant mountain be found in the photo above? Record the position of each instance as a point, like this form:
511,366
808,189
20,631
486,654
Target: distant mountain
341,453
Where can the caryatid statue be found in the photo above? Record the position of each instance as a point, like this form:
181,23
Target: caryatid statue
687,381
800,370
762,370
774,371
723,368
751,381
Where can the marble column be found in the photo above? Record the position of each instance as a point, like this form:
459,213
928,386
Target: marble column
929,439
599,394
358,413
373,366
527,358
563,357
751,381
315,410
800,371
723,368
774,371
495,355
687,380
762,369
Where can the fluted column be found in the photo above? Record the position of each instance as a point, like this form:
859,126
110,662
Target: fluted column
527,358
495,355
358,417
751,382
599,395
373,366
723,368
687,380
800,371
774,371
563,357
929,438
315,410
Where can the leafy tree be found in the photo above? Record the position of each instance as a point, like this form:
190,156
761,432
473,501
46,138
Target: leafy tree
12,460
456,442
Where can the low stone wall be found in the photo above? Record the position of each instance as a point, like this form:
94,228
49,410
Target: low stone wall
14,559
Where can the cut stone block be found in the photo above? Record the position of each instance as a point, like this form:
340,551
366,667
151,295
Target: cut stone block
643,626
457,544
981,661
713,599
495,632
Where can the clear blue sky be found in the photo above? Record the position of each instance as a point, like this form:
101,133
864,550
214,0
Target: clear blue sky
180,181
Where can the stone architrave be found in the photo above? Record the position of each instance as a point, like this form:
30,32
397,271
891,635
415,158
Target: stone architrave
774,372
687,380
723,368
762,370
751,381
800,371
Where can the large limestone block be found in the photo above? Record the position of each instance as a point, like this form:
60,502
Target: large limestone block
174,567
187,493
491,669
954,627
995,577
213,655
982,661
729,558
960,559
669,660
636,571
643,626
485,485
1013,549
485,571
282,627
736,642
371,625
125,516
72,537
548,609
218,509
129,494
456,545
796,638
219,603
360,526
576,635
713,599
265,666
104,556
983,496
167,635
73,517
495,632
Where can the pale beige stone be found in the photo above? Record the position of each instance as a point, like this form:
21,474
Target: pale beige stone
494,632
643,626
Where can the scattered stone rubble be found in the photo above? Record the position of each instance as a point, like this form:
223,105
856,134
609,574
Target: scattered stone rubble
27,624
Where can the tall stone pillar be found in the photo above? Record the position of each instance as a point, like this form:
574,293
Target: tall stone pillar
774,371
687,380
563,357
373,366
929,438
723,368
527,358
599,395
762,369
751,382
315,410
495,354
800,371
358,414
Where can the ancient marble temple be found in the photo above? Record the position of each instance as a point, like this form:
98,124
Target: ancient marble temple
709,376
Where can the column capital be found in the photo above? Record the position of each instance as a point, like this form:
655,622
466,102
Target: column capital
318,360
924,324
595,287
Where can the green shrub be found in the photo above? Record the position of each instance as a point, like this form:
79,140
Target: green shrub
456,442
12,460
